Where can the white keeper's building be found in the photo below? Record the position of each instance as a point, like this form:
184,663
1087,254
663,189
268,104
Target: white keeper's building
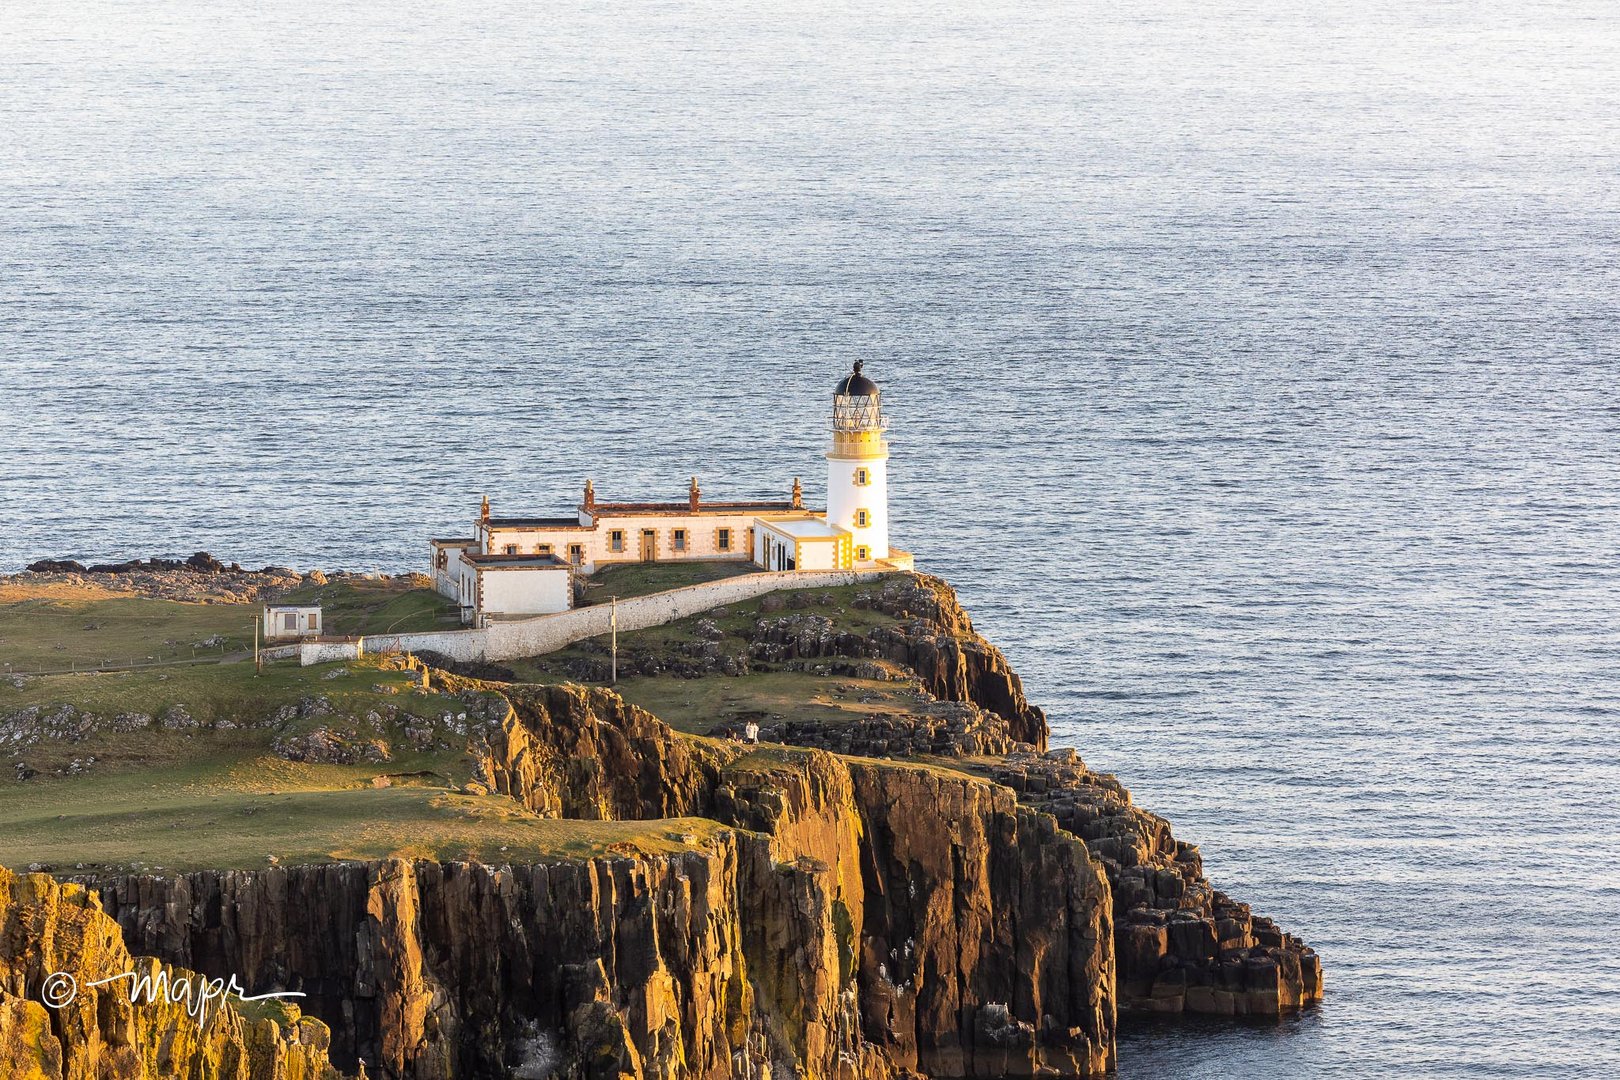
518,567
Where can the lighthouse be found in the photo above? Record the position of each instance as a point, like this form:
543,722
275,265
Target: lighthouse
515,567
858,467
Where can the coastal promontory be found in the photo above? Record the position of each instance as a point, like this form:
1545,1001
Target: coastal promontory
816,833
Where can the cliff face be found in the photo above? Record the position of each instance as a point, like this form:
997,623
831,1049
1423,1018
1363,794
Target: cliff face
988,950
45,928
825,935
1182,946
611,965
565,751
851,918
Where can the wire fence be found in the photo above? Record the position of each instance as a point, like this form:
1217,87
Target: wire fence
228,651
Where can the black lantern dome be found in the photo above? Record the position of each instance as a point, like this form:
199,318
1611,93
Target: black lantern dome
856,385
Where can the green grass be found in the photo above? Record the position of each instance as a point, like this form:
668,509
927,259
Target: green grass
49,633
697,705
639,579
219,809
766,761
196,798
222,691
366,606
56,628
739,619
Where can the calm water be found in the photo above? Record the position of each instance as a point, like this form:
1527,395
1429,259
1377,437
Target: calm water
1253,372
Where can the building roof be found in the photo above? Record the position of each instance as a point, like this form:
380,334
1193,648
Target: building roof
535,523
806,528
455,541
602,508
515,562
856,385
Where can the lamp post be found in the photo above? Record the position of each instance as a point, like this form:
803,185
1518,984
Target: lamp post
613,621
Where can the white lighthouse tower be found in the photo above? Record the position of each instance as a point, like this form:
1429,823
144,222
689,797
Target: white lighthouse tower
858,467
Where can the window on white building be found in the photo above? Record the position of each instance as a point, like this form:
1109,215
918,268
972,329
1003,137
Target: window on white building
680,539
863,477
289,621
543,549
862,519
511,549
722,539
862,554
576,553
616,540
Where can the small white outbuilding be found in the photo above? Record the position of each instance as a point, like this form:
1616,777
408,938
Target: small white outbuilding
291,621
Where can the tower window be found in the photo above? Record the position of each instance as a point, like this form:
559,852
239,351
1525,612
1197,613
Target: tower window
616,540
862,519
722,539
863,477
680,539
863,554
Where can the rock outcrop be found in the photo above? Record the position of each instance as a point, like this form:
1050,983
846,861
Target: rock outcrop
839,917
200,579
1182,946
938,729
55,1024
934,638
566,751
857,920
930,635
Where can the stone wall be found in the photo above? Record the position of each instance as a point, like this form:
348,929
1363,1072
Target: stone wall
321,652
548,633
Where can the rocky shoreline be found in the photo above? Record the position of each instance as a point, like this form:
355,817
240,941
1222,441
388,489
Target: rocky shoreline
199,579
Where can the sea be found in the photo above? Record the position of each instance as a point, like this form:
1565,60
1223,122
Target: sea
1252,370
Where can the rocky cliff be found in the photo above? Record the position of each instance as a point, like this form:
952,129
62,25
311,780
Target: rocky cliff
934,639
956,903
88,1031
857,919
1181,945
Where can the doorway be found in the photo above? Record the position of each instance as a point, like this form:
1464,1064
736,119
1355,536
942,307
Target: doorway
649,545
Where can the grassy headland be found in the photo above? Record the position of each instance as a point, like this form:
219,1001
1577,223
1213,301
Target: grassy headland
187,766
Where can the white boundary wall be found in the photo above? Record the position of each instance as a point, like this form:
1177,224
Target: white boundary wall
548,633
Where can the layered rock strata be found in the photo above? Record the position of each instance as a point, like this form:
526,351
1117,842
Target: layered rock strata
858,920
982,915
1182,945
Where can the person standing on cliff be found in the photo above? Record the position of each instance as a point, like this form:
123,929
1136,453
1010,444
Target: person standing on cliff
751,732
